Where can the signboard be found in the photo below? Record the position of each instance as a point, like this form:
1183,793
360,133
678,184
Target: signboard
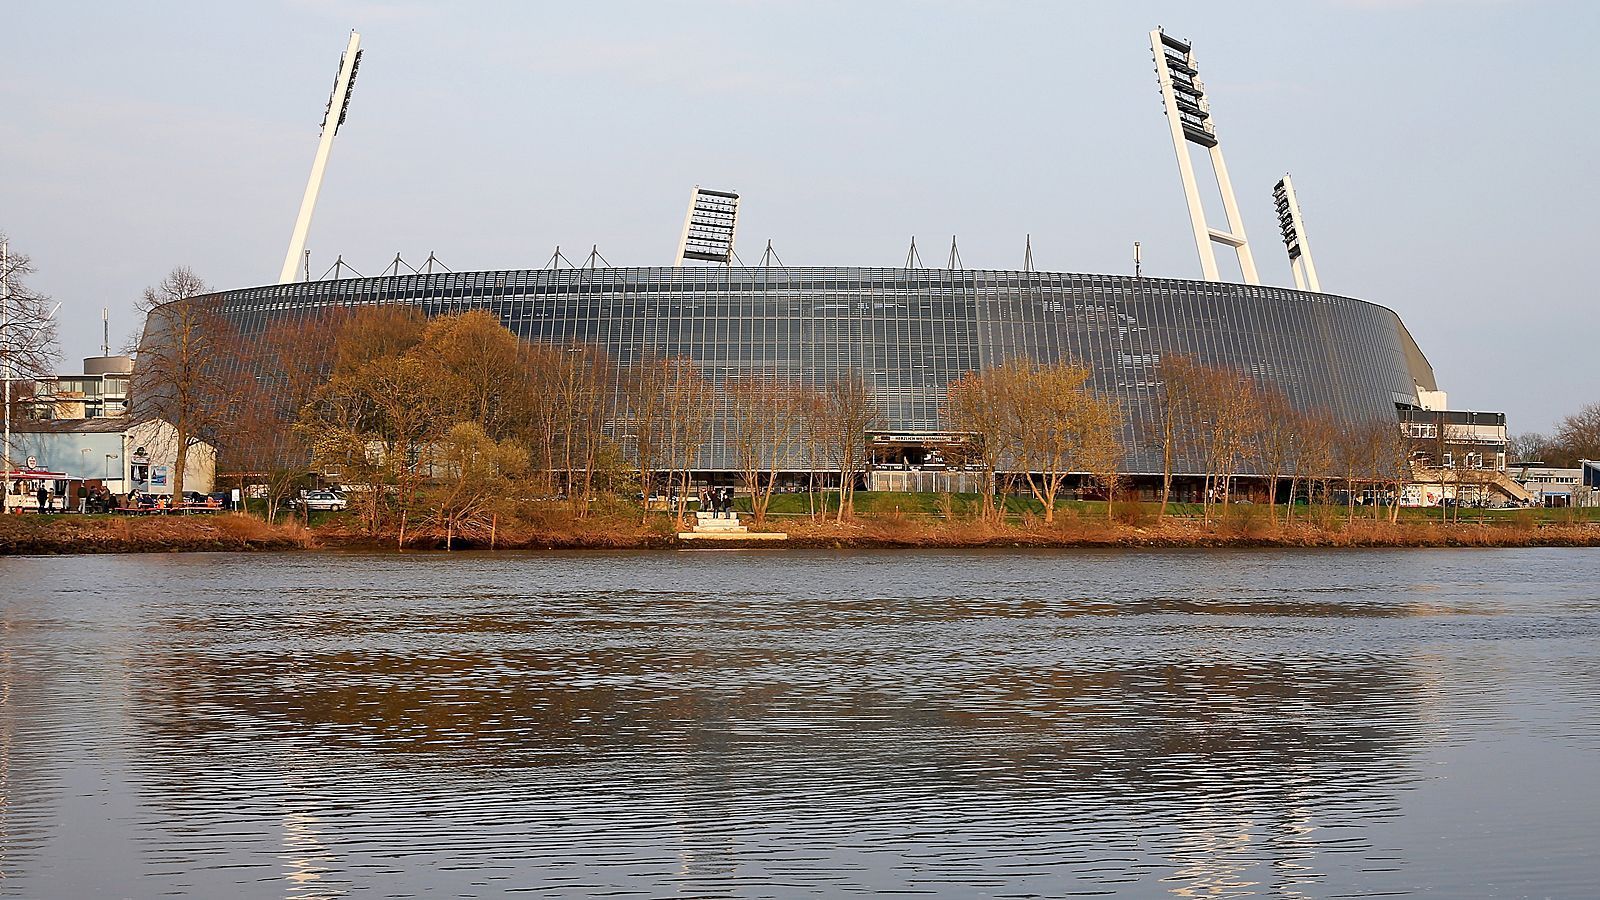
158,476
709,226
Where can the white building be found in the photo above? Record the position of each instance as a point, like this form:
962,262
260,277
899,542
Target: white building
1549,485
122,454
100,392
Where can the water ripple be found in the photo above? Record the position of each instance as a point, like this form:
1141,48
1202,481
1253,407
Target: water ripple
1019,724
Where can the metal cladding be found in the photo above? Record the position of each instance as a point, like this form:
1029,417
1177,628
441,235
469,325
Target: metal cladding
911,332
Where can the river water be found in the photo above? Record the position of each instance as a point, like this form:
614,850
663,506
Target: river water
746,724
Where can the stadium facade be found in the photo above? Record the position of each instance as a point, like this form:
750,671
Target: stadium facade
911,332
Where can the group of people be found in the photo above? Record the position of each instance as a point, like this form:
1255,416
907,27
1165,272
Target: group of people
717,500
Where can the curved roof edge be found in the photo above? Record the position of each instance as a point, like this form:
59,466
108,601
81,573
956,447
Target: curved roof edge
1416,361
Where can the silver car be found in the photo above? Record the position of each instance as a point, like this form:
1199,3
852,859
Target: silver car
324,500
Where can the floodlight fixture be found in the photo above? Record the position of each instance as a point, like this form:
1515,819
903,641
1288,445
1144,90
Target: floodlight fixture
709,227
1189,118
1294,236
338,101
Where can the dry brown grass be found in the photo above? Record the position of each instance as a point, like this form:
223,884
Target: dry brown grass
116,534
1247,528
556,526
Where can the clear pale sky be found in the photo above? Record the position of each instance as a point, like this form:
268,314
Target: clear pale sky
1445,151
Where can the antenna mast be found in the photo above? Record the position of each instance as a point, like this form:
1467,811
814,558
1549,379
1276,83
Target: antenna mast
338,106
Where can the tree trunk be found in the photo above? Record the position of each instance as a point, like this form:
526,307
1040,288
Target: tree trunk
179,463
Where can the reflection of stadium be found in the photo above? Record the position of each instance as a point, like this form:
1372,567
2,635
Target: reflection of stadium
912,331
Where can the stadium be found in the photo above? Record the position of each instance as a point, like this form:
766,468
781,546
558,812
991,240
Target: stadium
910,332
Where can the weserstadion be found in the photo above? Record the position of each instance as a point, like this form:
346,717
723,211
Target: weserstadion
911,331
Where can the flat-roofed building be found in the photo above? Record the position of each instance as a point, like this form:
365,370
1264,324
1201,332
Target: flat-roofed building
100,392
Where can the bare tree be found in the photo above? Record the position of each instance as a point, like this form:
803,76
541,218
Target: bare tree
1173,430
1533,447
1100,448
1045,405
1579,435
1276,440
1349,452
977,406
284,367
1314,456
582,394
27,328
186,373
848,413
813,405
686,415
763,416
1394,453
1225,410
27,337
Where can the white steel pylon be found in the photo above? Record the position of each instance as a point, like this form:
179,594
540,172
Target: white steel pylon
1294,236
338,105
1189,118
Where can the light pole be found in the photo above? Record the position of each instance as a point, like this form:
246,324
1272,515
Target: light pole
109,458
5,357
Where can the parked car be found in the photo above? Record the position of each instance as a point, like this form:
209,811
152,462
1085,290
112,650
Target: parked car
322,500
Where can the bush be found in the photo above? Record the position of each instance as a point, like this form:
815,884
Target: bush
1130,512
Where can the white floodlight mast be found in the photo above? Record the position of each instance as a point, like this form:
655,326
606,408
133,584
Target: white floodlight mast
688,217
710,227
1189,119
338,105
1294,236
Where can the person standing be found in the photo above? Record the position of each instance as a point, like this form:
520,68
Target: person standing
44,499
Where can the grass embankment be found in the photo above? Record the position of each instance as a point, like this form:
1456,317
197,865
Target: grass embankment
31,533
896,520
935,520
549,526
882,520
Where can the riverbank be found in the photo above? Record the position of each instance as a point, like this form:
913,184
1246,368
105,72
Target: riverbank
885,530
35,534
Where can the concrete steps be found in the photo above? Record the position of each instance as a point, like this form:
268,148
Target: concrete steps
709,526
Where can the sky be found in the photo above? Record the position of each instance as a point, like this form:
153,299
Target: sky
1444,151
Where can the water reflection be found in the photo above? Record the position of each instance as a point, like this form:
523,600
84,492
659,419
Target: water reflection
753,725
